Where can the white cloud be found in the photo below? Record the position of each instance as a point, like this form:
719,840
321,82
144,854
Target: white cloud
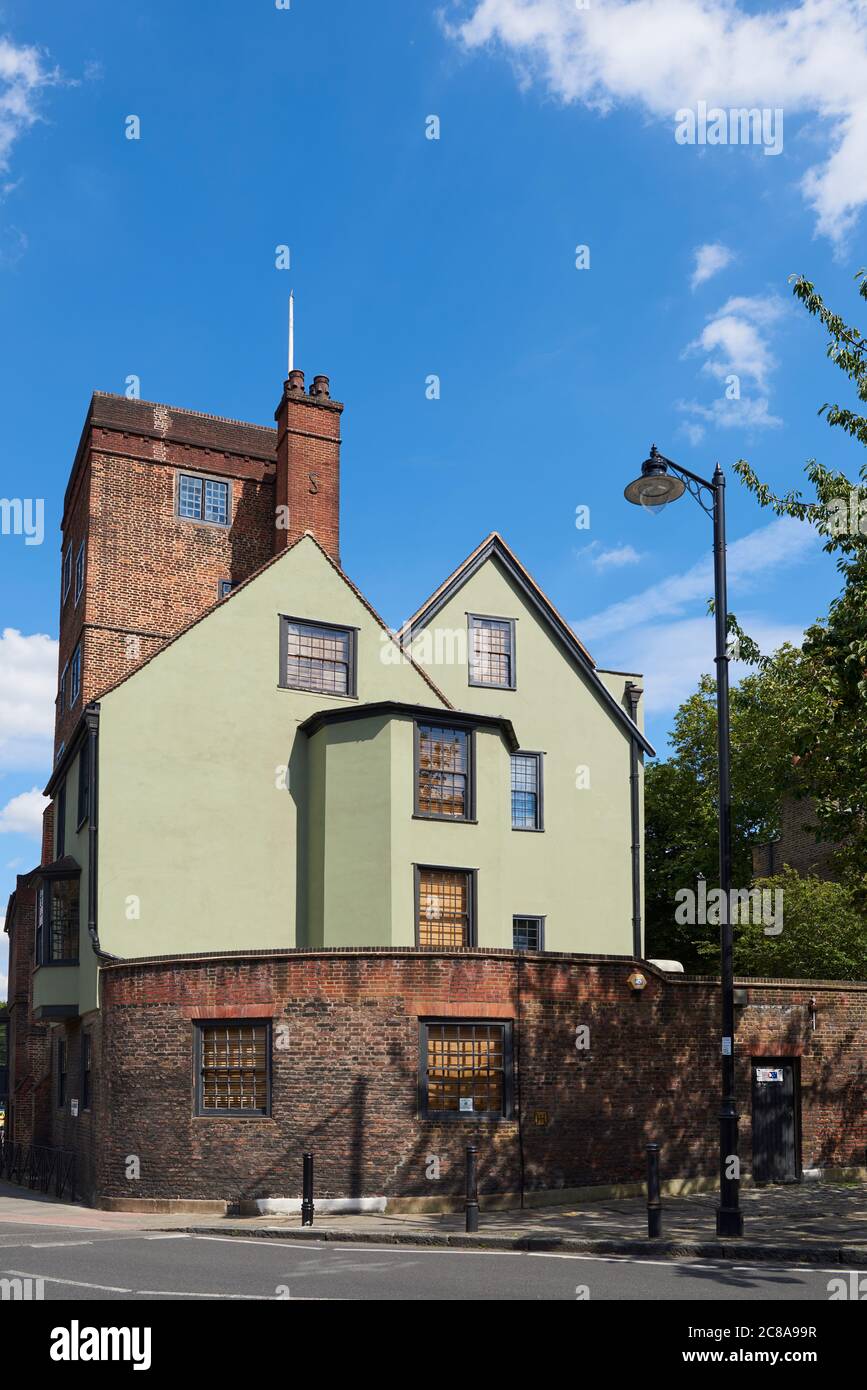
782,543
23,814
737,352
672,656
710,260
28,685
748,413
23,75
808,59
734,341
614,558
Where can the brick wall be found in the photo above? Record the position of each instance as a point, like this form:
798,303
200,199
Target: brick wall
80,1132
345,1072
796,845
29,1062
148,572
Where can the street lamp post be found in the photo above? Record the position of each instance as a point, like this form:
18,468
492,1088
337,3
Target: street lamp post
661,482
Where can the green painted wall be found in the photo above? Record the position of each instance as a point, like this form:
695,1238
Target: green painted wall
578,872
202,773
210,797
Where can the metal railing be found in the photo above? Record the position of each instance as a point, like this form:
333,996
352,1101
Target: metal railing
40,1168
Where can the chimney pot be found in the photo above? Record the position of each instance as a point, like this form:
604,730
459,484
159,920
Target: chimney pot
295,380
321,387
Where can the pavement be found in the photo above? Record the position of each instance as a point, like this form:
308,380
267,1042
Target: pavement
802,1224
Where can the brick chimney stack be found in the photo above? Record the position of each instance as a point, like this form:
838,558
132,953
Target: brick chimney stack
307,494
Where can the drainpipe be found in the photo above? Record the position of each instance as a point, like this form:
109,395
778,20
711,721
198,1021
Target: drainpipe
91,716
633,695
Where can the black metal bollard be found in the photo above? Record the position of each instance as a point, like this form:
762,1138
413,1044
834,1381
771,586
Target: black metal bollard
472,1202
654,1203
307,1192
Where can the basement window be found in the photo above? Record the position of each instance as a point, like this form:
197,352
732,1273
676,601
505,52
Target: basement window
492,651
203,499
445,903
233,1068
466,1070
443,772
317,657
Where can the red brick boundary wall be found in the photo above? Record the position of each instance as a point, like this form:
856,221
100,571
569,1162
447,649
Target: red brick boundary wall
345,1072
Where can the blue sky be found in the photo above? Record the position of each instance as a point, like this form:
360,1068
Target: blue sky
454,257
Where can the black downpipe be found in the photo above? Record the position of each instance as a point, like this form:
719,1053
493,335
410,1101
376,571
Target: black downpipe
633,695
92,719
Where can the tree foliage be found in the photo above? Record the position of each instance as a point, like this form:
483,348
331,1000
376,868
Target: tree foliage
799,728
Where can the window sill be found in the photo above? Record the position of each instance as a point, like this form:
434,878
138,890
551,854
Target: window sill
448,1118
489,685
445,820
233,1115
319,694
528,829
200,521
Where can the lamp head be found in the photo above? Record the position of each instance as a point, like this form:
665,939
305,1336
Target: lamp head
656,487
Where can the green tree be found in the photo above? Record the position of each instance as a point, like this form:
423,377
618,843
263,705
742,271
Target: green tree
824,934
681,799
828,730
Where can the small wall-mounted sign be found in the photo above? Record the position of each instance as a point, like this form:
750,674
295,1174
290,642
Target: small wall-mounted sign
73,1109
466,1104
540,1118
769,1073
726,1047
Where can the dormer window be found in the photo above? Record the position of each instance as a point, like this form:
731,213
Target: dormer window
492,651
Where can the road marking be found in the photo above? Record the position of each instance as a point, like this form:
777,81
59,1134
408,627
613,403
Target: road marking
57,1244
73,1283
174,1293
170,1235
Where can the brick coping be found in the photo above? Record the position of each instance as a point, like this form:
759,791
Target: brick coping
470,953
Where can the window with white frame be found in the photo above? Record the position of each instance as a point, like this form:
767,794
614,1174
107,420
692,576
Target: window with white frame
203,499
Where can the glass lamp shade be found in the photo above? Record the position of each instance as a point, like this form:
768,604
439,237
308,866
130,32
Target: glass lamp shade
654,489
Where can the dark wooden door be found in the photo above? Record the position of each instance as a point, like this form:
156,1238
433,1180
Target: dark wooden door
775,1120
